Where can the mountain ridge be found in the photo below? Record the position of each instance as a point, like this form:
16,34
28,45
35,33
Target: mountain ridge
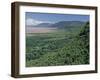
60,24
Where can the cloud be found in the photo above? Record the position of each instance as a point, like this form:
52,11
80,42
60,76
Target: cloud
34,22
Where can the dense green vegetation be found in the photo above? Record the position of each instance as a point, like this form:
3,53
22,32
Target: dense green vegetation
62,47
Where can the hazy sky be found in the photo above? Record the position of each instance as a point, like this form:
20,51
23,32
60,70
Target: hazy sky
37,18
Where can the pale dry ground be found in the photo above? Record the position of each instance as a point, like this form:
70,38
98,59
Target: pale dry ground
39,30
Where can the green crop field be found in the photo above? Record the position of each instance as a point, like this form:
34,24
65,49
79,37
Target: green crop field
61,47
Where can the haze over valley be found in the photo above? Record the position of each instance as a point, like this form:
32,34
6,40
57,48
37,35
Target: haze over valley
47,27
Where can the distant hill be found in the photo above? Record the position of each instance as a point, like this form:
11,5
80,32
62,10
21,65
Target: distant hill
43,25
67,24
61,24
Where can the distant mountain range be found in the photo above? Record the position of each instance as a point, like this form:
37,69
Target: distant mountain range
61,24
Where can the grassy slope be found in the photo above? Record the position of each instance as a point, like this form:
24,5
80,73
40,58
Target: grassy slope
59,48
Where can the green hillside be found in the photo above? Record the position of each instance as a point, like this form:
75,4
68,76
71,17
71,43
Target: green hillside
63,47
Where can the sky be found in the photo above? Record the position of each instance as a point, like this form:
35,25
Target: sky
37,18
